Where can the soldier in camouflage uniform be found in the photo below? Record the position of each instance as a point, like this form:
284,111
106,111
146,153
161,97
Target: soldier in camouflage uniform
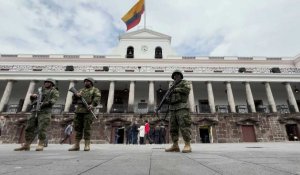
40,118
179,113
83,116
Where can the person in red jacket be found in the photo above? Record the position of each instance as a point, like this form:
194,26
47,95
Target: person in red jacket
147,130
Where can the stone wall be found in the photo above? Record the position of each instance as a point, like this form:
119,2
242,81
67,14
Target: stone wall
224,128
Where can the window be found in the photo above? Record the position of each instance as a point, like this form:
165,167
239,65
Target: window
158,52
130,52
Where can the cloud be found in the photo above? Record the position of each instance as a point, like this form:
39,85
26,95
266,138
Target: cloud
197,27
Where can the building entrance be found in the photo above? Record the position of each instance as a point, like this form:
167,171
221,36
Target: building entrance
119,135
248,133
292,132
204,134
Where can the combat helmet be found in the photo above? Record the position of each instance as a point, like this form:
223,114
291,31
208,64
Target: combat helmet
177,72
90,79
51,81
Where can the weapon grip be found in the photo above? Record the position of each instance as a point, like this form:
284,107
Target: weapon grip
72,89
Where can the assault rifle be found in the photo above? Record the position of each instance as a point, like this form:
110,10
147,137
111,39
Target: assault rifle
166,96
38,101
72,89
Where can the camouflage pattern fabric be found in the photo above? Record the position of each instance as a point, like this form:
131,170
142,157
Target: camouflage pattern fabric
180,120
180,95
82,125
49,98
41,121
83,118
179,112
92,96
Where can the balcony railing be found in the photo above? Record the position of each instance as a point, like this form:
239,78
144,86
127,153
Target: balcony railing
58,109
262,109
119,108
12,108
204,109
283,109
142,108
242,109
222,108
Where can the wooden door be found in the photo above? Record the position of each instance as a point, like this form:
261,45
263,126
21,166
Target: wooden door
248,133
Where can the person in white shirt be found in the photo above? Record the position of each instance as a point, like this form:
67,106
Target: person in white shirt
142,134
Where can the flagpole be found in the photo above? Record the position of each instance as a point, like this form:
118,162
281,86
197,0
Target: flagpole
145,14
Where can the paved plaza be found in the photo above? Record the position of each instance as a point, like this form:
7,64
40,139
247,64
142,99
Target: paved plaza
206,159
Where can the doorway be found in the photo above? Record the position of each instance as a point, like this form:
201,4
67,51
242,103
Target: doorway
248,133
204,134
119,135
292,132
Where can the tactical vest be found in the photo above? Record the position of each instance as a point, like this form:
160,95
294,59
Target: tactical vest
178,100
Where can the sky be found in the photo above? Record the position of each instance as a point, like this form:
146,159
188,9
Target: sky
268,28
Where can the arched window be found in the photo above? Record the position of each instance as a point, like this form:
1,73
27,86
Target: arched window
130,52
158,52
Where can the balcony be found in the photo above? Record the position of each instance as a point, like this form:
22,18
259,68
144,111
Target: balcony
242,109
204,109
222,108
262,109
283,109
142,108
12,108
119,108
57,109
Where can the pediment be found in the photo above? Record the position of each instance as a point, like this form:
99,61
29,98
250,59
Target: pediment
117,121
247,121
144,34
207,121
289,120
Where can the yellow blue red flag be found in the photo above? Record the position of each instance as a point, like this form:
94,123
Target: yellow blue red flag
133,16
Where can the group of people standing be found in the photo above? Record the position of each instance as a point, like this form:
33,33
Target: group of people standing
48,94
145,134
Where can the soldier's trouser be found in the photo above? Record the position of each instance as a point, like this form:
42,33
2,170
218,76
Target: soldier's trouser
37,125
180,120
82,125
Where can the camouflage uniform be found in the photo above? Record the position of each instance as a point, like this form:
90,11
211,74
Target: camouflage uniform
83,117
39,121
179,112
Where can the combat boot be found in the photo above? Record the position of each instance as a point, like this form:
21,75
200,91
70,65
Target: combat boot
25,147
40,146
187,148
87,145
173,148
76,146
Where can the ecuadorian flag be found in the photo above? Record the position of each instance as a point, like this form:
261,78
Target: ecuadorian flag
133,16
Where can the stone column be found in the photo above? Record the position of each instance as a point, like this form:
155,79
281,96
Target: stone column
131,97
211,99
6,95
69,97
111,94
151,97
270,96
27,97
192,99
230,97
249,95
291,96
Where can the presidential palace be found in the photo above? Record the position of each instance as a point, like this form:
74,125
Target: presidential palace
232,99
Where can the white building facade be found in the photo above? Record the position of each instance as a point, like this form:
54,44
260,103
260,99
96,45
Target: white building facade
232,99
